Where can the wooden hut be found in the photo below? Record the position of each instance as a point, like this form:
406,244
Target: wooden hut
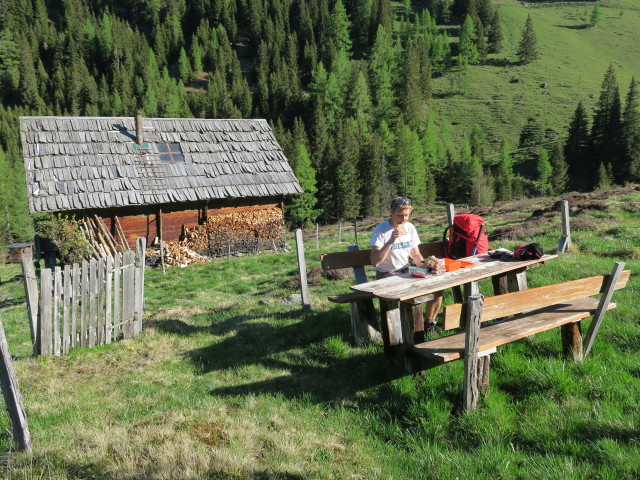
158,177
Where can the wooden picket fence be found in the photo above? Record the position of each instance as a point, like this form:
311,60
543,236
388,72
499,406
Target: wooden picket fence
87,305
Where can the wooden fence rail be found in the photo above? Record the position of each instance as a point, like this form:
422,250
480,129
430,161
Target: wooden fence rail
89,304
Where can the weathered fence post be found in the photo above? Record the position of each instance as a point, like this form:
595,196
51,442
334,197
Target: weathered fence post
31,296
340,232
565,240
317,238
450,213
44,313
355,230
139,284
472,340
12,397
302,266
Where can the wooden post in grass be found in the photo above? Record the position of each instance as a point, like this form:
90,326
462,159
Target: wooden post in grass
565,240
340,232
12,397
355,230
472,339
302,266
450,213
31,296
317,238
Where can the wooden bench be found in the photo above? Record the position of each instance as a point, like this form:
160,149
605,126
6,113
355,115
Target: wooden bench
364,323
517,315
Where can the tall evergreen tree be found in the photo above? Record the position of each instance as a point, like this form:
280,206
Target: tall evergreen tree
301,210
606,129
345,195
528,46
340,27
410,166
559,178
545,170
495,35
504,175
576,149
468,50
596,15
631,133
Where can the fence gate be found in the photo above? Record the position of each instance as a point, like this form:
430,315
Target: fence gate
86,305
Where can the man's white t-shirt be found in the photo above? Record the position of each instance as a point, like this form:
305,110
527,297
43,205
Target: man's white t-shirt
398,257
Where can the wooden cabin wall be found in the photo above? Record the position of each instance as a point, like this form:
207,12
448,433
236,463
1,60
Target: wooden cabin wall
173,223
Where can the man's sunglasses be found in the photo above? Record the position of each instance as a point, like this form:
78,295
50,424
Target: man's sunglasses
401,201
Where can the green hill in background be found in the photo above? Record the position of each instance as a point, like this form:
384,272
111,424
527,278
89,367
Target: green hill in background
502,94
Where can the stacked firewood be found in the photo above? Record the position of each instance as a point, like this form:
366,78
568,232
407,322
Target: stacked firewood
176,254
99,238
237,232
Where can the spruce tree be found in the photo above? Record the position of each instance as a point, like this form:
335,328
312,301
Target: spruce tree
468,50
504,175
559,177
345,194
495,35
606,130
596,16
544,170
409,166
301,209
576,148
631,134
528,46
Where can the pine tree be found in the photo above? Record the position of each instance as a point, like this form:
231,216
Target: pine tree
504,176
596,16
604,179
528,46
346,196
468,50
545,170
631,134
382,66
301,208
409,166
495,36
606,129
481,43
359,100
340,27
559,177
576,148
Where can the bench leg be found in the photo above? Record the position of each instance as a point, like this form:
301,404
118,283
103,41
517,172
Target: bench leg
412,324
390,324
484,364
572,341
363,320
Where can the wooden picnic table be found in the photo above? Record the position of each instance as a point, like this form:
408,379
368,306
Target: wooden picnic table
403,294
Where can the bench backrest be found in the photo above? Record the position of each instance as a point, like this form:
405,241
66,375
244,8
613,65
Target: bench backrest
361,258
527,300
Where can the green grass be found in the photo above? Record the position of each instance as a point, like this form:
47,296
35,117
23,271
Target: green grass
502,94
228,382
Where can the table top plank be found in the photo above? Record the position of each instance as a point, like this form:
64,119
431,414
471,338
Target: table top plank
404,287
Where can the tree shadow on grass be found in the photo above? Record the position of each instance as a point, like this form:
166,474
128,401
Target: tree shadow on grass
583,26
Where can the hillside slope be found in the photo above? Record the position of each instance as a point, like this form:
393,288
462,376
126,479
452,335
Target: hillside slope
502,94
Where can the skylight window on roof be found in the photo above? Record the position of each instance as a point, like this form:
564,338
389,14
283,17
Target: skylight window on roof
170,153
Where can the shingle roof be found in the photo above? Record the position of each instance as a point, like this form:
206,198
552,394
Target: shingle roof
74,163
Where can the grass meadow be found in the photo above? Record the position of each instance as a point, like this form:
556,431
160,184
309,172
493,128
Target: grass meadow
226,381
502,94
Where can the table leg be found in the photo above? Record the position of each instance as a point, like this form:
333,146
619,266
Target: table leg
363,323
390,324
412,324
514,281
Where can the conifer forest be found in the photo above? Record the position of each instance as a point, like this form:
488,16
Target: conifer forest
345,84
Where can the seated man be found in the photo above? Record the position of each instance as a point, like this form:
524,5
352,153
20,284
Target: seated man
393,243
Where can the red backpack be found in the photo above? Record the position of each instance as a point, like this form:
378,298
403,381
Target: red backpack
467,237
